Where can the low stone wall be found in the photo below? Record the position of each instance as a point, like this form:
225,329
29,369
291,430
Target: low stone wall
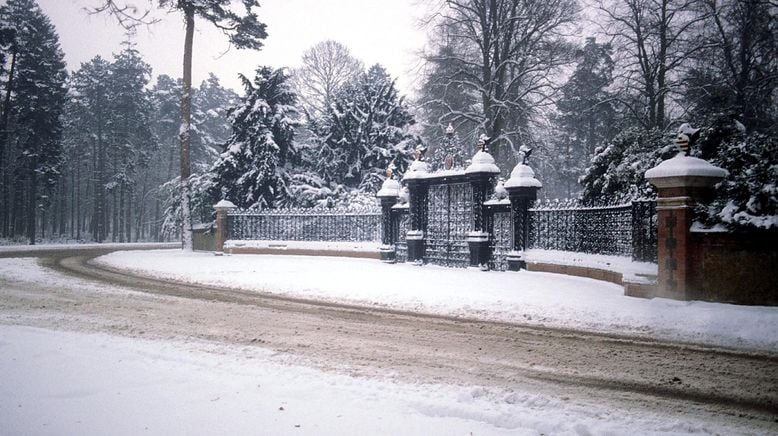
304,252
578,271
739,268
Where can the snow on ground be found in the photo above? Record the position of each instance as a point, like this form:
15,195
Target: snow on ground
631,270
106,246
524,297
91,384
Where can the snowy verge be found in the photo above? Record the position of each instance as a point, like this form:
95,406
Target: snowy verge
362,247
525,297
107,246
95,384
634,272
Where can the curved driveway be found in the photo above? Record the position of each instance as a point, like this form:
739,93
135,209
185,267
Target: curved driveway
666,378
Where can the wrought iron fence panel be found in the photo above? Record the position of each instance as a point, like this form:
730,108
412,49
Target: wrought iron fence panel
501,241
306,225
644,231
449,220
402,222
612,230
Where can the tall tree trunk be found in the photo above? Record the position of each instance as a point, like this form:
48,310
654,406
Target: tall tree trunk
119,223
100,216
186,131
128,217
6,218
33,193
7,107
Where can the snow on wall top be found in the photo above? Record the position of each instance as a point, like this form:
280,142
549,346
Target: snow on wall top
682,165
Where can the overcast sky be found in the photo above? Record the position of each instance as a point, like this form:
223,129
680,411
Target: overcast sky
376,31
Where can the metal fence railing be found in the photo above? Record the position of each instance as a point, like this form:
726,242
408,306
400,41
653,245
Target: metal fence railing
306,225
626,230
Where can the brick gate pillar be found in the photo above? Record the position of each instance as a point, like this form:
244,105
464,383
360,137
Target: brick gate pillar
681,181
418,188
222,231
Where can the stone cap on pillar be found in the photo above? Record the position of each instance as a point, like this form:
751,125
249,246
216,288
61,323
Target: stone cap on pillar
522,176
390,188
224,205
482,162
418,170
685,171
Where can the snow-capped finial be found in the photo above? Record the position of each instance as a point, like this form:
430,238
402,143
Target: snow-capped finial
420,150
483,141
390,170
418,168
524,152
449,130
499,191
686,137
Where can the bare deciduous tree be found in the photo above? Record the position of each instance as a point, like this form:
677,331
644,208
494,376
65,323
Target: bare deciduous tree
326,68
652,38
505,54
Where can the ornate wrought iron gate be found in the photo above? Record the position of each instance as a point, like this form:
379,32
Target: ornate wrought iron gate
449,220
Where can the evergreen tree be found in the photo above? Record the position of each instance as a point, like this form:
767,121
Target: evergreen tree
585,117
262,142
243,30
88,118
211,128
132,139
364,131
37,94
617,170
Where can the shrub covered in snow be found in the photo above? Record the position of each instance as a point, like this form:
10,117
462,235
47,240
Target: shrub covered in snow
616,172
747,199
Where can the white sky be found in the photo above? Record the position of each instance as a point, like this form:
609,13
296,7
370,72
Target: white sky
376,31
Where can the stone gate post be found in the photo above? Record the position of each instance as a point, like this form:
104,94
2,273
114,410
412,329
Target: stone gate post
417,207
222,232
481,173
388,195
522,189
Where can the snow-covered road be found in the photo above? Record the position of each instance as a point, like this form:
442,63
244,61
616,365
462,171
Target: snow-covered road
106,358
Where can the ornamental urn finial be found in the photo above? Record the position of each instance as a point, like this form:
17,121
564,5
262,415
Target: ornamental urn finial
686,137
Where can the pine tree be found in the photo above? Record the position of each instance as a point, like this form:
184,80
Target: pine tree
37,94
585,117
211,128
133,141
88,118
262,141
243,30
363,132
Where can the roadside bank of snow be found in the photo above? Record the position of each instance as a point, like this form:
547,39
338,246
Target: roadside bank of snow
523,297
92,384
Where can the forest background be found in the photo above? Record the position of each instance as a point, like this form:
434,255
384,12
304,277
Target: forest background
94,154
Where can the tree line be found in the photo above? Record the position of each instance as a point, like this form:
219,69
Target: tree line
105,154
